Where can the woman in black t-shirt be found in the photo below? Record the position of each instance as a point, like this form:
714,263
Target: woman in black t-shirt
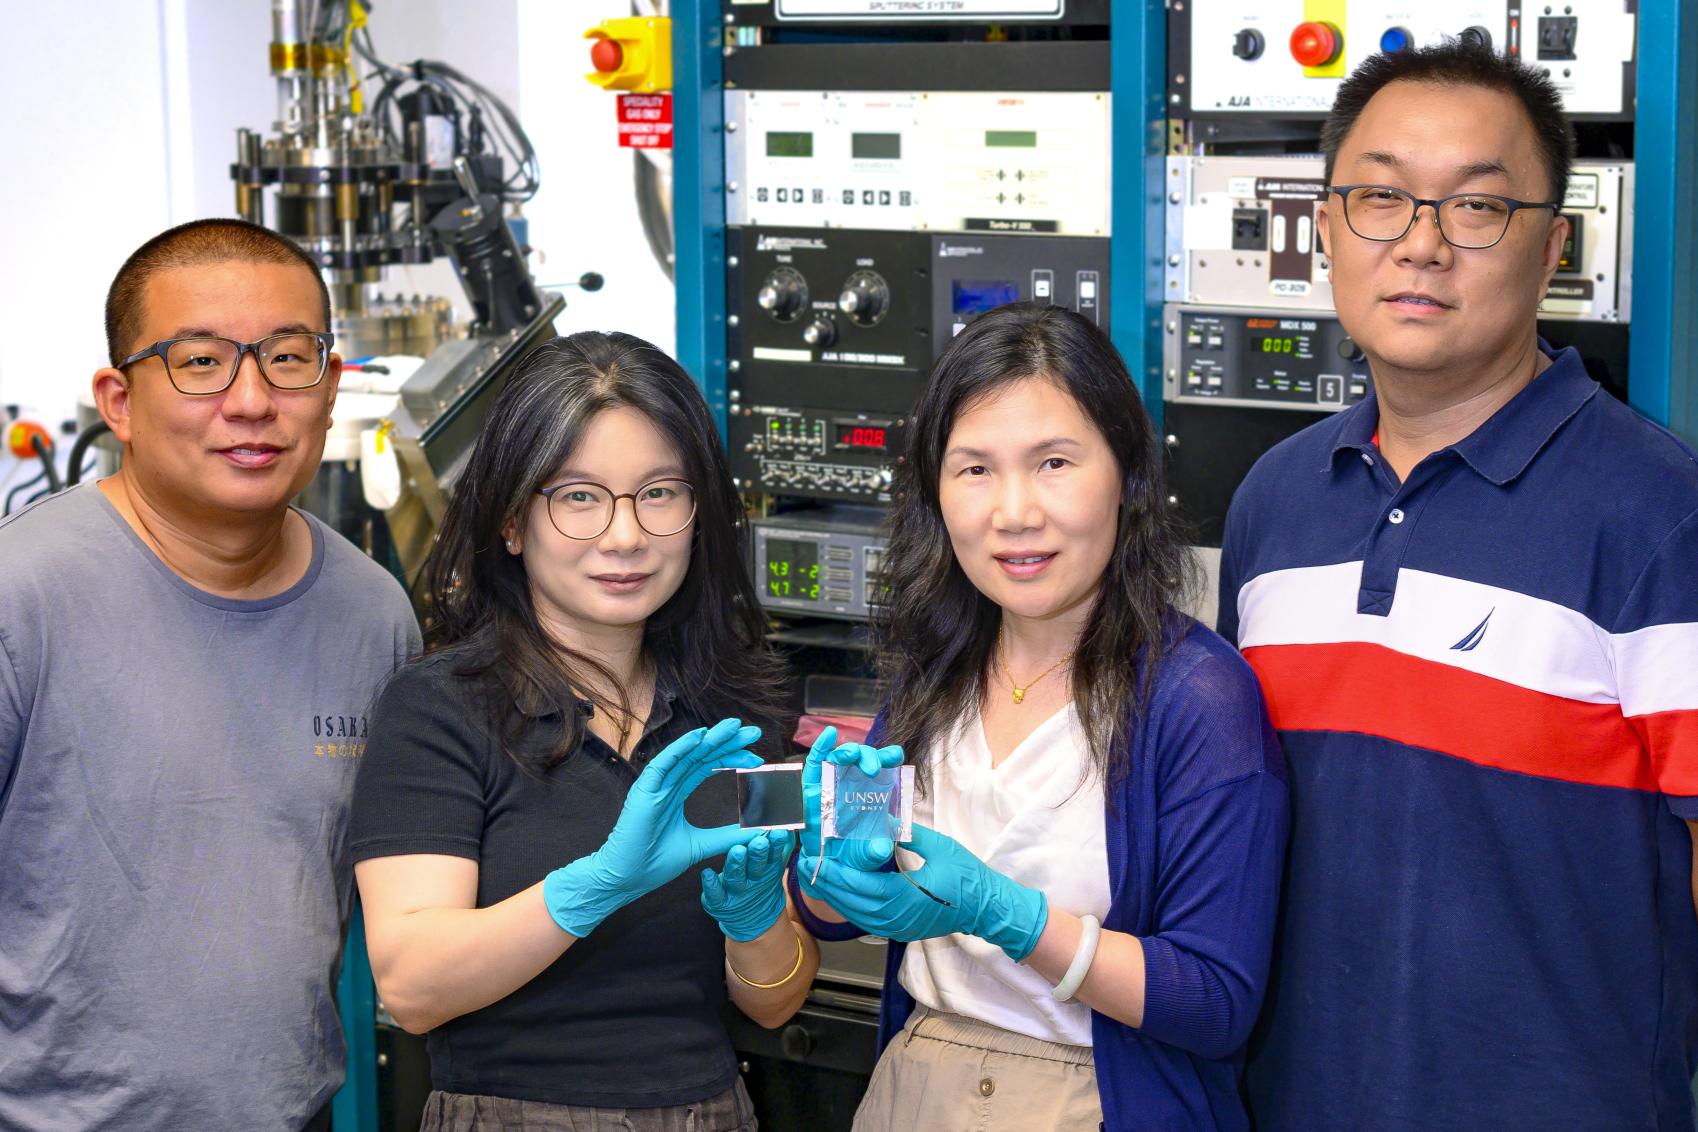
520,832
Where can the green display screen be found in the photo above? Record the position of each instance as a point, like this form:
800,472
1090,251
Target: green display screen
790,145
1012,139
793,569
875,147
1272,345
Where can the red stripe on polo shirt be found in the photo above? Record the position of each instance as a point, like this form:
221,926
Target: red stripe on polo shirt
1672,738
1372,690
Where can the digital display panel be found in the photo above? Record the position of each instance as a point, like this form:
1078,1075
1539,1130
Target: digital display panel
799,144
975,296
1569,262
1285,338
1011,139
875,147
793,568
861,436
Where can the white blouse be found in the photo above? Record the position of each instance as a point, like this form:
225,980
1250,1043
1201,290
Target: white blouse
1038,818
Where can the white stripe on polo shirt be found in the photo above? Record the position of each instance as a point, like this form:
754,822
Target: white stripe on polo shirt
1494,632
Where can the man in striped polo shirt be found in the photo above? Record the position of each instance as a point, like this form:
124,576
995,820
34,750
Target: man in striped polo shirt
1472,601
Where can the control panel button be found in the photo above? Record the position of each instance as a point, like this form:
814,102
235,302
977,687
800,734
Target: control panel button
1349,351
606,56
1315,43
1395,39
1476,36
1248,44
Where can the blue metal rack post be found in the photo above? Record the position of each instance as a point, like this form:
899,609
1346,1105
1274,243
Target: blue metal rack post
1138,81
1663,350
698,196
355,1106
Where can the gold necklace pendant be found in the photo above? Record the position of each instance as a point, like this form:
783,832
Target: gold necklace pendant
1019,692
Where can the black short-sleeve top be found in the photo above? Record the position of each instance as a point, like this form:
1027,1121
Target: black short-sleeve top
629,1016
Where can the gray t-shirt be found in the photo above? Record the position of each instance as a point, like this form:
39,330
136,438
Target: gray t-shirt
175,775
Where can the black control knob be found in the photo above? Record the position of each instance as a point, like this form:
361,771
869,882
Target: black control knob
1248,44
1476,36
865,298
821,332
784,294
1349,350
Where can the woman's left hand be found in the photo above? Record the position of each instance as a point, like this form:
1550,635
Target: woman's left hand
952,892
747,896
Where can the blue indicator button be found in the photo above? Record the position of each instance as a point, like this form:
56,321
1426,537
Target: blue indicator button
1396,39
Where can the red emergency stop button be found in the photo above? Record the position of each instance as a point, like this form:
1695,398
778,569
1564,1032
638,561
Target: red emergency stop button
606,56
20,436
1316,43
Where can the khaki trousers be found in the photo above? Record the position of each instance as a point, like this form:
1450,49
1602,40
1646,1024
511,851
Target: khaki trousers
946,1073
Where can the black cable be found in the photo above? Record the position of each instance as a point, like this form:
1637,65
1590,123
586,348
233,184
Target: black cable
20,489
44,448
491,124
79,449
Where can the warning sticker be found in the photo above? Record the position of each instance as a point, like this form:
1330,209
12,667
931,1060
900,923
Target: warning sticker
645,121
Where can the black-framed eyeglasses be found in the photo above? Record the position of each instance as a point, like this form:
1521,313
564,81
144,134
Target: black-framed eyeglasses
1465,220
202,366
584,509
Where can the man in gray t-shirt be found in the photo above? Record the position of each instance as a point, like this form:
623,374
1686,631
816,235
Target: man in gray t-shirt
186,666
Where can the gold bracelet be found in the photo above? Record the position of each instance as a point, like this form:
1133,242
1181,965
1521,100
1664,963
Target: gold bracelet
768,986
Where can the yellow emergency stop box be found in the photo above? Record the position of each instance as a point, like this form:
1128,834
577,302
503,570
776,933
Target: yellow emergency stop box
632,53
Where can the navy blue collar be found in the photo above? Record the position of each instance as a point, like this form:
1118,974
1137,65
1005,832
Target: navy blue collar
1502,448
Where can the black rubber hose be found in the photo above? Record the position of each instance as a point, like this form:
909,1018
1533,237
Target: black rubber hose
44,449
79,450
19,490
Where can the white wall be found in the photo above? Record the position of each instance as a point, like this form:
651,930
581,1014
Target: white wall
128,126
86,181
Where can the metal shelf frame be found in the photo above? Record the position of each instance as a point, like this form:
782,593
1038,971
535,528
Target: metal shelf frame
1663,369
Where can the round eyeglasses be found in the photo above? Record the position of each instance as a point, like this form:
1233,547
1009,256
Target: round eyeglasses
584,509
202,366
1466,220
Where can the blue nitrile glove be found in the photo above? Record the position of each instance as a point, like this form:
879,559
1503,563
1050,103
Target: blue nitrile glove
747,896
860,854
986,903
652,842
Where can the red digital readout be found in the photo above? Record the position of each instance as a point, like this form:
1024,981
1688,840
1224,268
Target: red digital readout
860,436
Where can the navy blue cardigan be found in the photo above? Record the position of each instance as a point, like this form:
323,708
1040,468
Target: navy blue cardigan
1196,842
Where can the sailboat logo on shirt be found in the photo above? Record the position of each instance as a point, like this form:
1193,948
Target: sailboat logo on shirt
1475,635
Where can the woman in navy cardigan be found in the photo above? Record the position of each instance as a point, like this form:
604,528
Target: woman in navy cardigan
1103,812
